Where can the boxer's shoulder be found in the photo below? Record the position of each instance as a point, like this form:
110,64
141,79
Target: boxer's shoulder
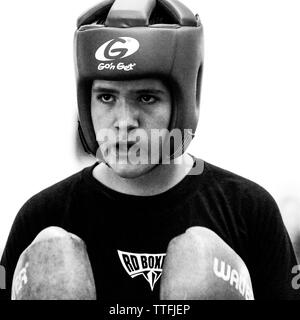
54,199
58,190
236,184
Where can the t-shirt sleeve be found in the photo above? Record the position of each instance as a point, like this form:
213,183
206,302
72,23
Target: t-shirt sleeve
46,208
26,226
272,254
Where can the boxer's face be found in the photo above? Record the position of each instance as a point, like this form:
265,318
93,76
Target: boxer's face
124,114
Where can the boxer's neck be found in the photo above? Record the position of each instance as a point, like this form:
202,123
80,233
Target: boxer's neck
158,180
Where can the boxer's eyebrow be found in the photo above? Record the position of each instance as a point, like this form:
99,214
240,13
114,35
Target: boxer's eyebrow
149,91
105,90
102,89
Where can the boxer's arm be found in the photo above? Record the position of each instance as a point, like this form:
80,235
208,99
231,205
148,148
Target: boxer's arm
16,242
271,252
199,265
55,266
24,229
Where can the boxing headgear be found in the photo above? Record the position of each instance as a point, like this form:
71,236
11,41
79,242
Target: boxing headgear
115,41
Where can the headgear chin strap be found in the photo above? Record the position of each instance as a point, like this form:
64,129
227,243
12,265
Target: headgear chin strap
115,41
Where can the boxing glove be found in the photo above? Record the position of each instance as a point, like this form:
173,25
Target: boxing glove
199,265
55,266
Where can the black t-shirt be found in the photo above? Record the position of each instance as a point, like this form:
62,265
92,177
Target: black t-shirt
241,212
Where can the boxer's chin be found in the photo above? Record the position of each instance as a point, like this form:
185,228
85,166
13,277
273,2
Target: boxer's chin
130,171
127,166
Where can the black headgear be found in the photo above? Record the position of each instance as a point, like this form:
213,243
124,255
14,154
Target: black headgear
115,41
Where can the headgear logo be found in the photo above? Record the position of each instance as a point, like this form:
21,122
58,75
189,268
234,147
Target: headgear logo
147,265
118,48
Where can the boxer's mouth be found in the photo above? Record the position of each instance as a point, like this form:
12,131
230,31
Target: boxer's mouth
124,146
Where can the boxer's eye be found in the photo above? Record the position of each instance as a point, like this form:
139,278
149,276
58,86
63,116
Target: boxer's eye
105,98
148,99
